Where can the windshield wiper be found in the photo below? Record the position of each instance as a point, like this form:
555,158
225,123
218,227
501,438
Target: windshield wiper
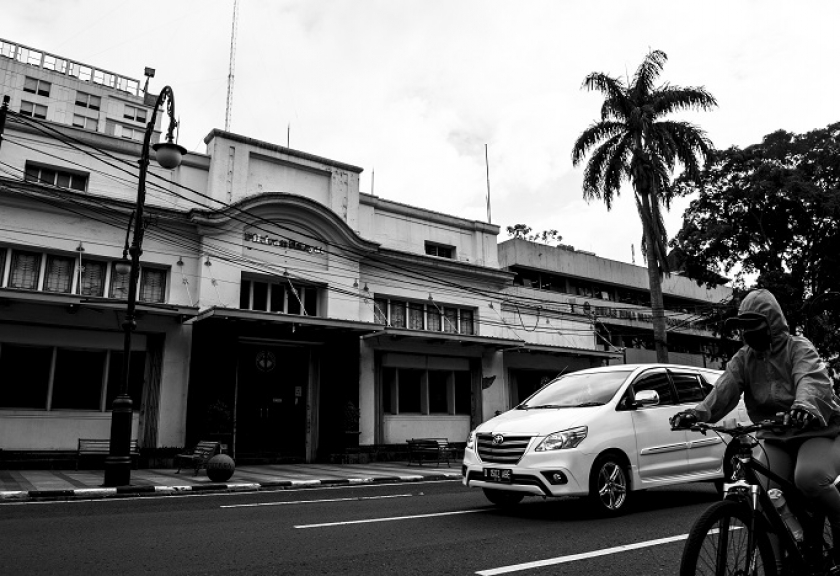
544,406
586,404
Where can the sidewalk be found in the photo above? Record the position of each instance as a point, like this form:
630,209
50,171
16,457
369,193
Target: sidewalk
28,485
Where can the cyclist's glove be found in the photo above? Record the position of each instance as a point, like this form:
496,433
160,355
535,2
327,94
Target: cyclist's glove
799,418
684,419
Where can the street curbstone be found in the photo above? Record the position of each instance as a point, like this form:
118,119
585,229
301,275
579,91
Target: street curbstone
158,490
14,495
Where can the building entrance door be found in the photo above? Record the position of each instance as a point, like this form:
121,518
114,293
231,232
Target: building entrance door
271,401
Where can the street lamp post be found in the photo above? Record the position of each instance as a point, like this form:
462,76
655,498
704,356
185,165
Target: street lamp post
168,154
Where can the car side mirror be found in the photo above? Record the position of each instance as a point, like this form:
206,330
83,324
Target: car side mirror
646,398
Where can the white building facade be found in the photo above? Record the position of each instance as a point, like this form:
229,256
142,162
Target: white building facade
280,309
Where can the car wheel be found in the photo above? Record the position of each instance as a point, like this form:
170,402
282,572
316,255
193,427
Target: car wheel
503,498
609,486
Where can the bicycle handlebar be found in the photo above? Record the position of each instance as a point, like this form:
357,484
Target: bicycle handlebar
739,429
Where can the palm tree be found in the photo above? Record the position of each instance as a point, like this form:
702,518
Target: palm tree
633,141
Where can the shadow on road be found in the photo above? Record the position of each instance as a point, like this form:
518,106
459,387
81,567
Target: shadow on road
571,509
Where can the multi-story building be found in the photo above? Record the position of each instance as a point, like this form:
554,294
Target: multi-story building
613,298
280,309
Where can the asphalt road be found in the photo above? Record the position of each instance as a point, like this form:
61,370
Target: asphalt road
429,528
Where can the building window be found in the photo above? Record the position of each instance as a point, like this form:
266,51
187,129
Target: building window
420,391
35,86
130,133
153,285
397,314
85,122
409,390
135,114
33,110
287,298
88,100
25,270
119,283
78,379
55,177
63,378
59,274
422,316
440,250
25,376
466,324
439,391
136,377
93,279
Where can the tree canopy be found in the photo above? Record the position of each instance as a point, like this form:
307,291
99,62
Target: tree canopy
769,214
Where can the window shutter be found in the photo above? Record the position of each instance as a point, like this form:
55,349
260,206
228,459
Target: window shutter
59,275
119,284
153,285
26,267
93,279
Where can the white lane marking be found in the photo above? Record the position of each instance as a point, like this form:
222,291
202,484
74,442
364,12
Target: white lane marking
587,555
357,498
582,556
390,519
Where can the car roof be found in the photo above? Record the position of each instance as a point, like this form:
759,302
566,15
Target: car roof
642,367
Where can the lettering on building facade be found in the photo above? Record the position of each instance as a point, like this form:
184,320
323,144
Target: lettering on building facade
282,243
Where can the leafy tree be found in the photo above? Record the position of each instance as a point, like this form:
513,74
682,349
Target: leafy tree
523,231
634,142
769,215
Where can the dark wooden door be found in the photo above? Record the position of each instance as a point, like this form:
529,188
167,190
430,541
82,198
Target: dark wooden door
271,400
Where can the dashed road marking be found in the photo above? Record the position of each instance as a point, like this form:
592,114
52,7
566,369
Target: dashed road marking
357,498
389,519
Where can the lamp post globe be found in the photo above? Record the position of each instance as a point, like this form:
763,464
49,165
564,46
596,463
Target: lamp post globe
168,155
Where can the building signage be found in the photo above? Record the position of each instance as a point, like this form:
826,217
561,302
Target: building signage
282,243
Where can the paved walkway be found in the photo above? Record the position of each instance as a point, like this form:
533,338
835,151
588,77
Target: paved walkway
24,485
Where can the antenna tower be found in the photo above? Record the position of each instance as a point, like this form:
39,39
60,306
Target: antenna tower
232,64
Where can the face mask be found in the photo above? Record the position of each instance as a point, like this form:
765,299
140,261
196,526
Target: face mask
758,340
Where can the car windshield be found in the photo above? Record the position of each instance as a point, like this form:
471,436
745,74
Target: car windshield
577,390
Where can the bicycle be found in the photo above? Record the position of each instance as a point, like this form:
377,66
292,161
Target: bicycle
732,536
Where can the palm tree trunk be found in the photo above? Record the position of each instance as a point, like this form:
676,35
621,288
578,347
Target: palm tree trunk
657,305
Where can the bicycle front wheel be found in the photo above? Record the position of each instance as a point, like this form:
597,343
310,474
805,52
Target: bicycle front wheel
718,545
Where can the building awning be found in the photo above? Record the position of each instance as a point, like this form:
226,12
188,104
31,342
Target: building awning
74,302
279,318
426,337
565,351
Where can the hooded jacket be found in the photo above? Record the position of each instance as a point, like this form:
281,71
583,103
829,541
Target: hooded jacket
789,375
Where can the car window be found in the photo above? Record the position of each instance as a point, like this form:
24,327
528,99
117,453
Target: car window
656,381
689,388
577,389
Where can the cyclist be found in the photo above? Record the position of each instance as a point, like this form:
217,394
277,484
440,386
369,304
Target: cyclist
778,372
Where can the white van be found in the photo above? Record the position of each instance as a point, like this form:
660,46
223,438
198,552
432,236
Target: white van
602,432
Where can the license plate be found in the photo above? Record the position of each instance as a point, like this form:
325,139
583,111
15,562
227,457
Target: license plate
497,475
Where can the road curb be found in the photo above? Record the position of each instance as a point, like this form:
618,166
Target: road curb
99,493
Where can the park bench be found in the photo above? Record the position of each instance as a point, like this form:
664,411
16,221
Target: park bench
430,448
199,457
101,447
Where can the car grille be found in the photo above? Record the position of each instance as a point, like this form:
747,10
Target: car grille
515,479
508,452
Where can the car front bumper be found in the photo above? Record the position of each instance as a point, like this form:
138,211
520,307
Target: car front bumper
555,473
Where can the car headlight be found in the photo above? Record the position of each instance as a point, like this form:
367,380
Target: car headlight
564,439
471,440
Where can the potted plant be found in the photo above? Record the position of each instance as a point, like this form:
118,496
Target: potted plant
351,427
219,422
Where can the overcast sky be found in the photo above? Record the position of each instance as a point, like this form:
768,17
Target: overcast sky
411,91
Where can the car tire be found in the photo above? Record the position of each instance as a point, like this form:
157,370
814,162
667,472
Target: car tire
609,486
503,498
